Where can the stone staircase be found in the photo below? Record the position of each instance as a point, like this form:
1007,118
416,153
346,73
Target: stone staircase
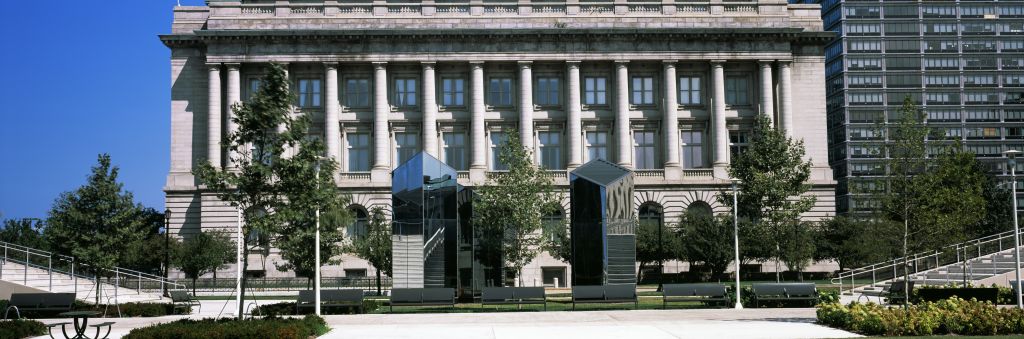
84,288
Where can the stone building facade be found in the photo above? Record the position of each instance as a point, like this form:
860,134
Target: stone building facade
666,88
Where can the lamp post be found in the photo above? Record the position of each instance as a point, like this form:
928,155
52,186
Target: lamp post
167,246
736,237
316,250
1012,156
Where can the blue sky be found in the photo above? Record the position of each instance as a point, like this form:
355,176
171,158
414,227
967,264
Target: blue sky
81,78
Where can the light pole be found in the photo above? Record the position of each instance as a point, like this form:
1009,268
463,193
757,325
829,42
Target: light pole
316,251
167,246
1012,155
736,237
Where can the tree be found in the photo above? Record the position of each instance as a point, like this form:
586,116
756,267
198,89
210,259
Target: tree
651,249
96,222
558,242
295,241
998,206
797,246
774,177
509,209
856,241
375,245
202,253
707,242
24,232
266,177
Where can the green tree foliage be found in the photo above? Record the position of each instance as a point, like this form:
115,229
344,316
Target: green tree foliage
24,232
509,209
375,245
998,206
295,241
774,178
856,242
707,242
557,241
266,178
655,243
797,246
202,253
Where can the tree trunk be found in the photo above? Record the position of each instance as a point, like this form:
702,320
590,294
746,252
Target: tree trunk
245,267
378,282
640,273
778,252
98,288
194,286
906,272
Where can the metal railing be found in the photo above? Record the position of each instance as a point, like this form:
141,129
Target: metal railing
70,268
287,284
963,253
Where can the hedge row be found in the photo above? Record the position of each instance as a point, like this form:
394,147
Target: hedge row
290,328
288,308
951,316
17,329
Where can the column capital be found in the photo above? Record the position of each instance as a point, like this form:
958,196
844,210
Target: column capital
379,64
233,66
718,62
331,65
765,63
524,64
213,66
621,62
669,62
573,63
428,64
784,63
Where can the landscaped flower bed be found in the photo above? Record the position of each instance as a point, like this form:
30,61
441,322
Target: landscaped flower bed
17,329
951,316
282,328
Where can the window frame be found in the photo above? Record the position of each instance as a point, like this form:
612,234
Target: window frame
690,91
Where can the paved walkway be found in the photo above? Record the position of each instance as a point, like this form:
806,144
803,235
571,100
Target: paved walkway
647,324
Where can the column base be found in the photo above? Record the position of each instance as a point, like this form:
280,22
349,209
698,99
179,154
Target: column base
673,172
722,172
477,175
380,175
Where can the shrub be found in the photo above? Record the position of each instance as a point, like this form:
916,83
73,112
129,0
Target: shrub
950,316
139,309
288,308
17,329
282,328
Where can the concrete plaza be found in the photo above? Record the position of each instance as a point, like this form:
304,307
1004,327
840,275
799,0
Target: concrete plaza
647,324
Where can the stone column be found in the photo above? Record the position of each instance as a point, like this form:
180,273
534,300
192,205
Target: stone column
767,102
622,127
381,111
721,132
671,117
213,116
479,151
332,107
429,110
526,104
234,96
786,96
574,108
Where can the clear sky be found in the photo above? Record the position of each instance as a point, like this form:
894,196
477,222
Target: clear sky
79,78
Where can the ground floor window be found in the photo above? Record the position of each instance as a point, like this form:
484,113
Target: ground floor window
553,276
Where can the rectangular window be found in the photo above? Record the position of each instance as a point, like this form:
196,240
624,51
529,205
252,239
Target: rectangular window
865,81
597,145
499,92
946,80
692,143
595,91
942,63
254,86
548,92
549,153
643,91
358,151
689,90
738,143
951,46
865,63
455,151
737,90
357,92
498,141
453,92
309,92
643,144
977,80
405,92
406,146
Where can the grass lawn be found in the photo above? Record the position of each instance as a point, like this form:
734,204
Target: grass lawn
554,304
959,337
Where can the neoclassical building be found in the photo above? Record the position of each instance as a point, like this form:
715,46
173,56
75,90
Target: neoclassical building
667,88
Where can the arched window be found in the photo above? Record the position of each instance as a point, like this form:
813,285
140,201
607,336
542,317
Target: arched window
552,222
699,209
359,222
650,214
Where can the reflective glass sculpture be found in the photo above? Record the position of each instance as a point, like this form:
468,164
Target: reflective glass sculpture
603,225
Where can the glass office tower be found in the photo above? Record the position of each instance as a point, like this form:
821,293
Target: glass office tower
603,229
962,62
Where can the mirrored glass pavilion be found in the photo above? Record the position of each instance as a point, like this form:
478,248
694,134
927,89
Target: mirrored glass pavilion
603,224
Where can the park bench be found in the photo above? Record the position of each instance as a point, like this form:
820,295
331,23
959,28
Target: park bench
184,300
895,292
20,302
437,296
331,298
785,292
513,296
967,293
608,294
693,292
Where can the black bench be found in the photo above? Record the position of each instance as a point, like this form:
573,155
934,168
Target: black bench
895,292
608,294
694,292
59,302
978,293
513,296
785,292
184,300
331,298
437,296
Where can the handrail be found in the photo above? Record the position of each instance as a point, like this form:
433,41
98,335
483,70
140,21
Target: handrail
892,265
